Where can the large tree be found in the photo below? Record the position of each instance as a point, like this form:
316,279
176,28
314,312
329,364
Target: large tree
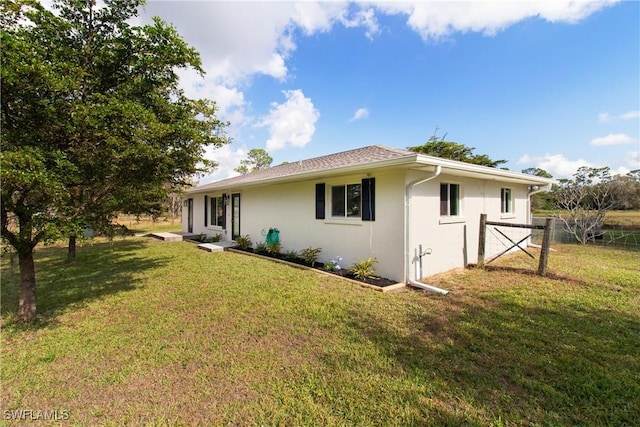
439,147
257,159
93,121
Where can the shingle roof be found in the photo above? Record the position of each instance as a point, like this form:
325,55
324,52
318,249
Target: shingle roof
352,158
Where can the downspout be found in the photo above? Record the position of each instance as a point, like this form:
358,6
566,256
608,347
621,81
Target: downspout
531,193
407,233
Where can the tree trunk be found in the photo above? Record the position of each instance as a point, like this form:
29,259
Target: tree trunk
71,253
27,306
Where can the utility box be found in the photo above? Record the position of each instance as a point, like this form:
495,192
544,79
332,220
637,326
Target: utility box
273,236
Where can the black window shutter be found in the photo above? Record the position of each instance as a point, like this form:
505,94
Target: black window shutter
224,211
369,199
206,203
320,195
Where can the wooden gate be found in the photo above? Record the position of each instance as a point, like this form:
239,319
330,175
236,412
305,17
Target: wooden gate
544,253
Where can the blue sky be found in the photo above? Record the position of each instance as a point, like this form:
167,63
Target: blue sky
548,84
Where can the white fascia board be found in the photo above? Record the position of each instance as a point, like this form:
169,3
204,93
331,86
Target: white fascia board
306,176
454,167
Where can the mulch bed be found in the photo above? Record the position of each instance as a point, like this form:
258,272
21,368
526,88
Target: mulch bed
380,282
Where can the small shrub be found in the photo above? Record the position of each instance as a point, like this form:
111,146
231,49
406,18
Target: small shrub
243,242
291,255
261,248
364,269
310,255
215,238
274,248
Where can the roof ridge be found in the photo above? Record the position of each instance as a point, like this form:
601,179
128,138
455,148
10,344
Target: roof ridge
394,149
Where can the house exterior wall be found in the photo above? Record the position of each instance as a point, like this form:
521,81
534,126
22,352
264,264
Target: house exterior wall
291,209
453,241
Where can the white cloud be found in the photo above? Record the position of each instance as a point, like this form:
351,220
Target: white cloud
364,18
556,164
291,123
228,158
235,39
629,115
612,139
361,113
633,159
437,20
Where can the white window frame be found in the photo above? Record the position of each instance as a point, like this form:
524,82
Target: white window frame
506,201
458,200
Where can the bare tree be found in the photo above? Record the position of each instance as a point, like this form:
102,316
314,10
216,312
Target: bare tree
585,200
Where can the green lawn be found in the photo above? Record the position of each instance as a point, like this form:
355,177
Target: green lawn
627,220
140,332
146,224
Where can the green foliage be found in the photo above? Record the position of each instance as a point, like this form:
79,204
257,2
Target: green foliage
537,172
257,159
243,242
261,248
310,255
544,200
291,255
274,248
364,269
215,238
331,266
93,120
438,147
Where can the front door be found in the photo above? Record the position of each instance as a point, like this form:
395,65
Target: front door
235,215
189,215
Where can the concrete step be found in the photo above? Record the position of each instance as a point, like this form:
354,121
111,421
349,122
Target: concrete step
166,236
215,247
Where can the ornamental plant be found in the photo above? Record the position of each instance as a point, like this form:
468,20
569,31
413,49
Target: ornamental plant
261,248
310,255
364,269
243,242
274,248
291,255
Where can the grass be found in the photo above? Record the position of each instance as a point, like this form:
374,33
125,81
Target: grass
146,224
628,220
149,333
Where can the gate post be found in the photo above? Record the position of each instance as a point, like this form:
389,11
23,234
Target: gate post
481,239
544,252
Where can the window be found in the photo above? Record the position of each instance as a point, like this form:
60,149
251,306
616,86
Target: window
217,212
449,199
506,204
346,200
349,201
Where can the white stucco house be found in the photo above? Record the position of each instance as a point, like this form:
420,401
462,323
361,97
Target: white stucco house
373,201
